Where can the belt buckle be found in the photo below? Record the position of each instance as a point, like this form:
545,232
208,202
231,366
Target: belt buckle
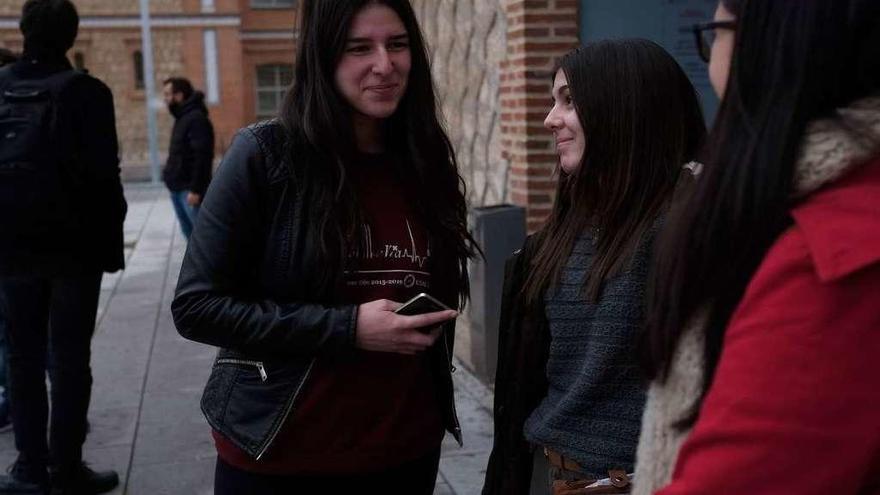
555,458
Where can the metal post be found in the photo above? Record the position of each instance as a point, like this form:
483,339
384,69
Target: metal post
149,90
499,230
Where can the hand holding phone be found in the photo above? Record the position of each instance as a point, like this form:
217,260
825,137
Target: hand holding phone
382,327
421,304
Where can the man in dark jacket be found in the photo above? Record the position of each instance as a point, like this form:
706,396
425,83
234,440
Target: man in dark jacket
50,278
191,152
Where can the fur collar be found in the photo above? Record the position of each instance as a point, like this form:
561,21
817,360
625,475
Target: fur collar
831,148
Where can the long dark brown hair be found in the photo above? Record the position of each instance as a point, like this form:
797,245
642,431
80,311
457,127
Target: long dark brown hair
793,62
319,121
642,122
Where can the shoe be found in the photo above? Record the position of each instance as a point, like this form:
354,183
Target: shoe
24,480
79,479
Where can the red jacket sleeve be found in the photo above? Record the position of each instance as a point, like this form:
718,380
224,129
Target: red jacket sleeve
795,405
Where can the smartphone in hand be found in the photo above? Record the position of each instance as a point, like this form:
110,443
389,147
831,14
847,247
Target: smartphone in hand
421,304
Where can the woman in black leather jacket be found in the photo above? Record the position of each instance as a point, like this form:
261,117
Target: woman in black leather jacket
313,231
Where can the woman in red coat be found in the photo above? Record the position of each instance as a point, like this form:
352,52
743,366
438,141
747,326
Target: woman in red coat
763,339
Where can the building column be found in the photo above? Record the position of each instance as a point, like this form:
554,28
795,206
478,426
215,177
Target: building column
538,33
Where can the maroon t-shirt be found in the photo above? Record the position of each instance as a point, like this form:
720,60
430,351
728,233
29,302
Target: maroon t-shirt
372,410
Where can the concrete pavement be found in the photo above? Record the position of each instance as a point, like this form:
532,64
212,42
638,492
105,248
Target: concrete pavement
144,416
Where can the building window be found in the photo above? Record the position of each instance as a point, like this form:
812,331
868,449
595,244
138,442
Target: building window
272,4
272,83
138,60
79,61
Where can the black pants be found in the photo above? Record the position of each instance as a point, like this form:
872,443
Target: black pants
50,322
413,478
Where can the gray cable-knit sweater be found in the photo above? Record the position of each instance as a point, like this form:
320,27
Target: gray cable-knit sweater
593,409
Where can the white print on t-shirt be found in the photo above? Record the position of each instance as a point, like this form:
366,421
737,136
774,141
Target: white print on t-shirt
391,278
371,258
391,251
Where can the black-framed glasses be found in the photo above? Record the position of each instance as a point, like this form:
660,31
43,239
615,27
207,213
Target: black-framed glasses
704,36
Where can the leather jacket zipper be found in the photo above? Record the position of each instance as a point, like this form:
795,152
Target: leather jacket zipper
258,364
287,408
452,369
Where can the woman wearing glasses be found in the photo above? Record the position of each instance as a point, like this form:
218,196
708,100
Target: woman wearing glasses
568,389
763,335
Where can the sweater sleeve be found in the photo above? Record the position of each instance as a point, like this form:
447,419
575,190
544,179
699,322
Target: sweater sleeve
794,406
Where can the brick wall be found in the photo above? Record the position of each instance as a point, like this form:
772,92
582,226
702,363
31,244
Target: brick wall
538,33
108,53
102,7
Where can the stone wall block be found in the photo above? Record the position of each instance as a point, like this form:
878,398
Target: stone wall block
466,39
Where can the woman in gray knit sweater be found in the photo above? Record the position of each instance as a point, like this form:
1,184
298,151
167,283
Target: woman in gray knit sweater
569,396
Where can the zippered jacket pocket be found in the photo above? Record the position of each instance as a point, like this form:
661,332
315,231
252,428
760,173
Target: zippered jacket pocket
247,399
261,368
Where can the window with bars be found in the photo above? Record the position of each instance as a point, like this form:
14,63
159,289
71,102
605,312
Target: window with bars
272,4
138,61
272,83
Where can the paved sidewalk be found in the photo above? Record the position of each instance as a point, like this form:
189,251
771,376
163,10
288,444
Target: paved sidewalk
144,416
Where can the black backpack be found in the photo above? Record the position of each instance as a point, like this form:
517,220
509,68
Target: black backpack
37,183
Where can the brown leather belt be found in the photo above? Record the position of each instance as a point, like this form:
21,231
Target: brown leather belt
558,460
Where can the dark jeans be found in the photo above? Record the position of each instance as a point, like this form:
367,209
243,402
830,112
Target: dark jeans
186,214
413,478
49,323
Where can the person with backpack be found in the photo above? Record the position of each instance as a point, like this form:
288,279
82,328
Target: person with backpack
61,215
191,152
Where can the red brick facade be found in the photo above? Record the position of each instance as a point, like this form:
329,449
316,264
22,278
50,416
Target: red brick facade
110,36
538,33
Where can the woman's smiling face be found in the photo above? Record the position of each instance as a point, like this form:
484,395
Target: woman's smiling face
565,124
374,69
